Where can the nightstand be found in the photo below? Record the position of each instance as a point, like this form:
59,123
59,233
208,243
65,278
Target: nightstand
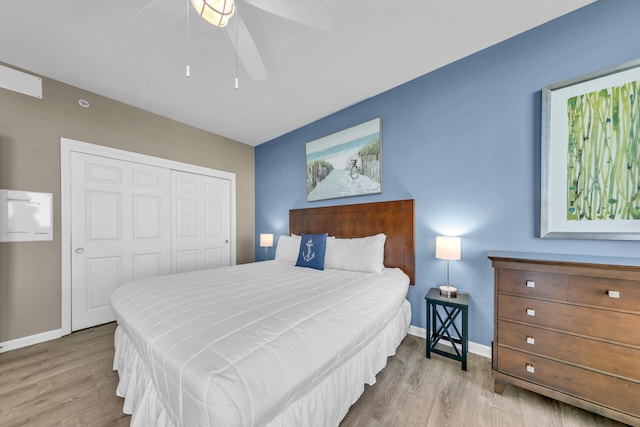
441,315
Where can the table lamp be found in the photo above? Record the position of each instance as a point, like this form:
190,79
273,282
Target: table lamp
266,241
448,248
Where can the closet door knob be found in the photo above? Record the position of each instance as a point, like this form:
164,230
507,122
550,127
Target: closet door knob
80,250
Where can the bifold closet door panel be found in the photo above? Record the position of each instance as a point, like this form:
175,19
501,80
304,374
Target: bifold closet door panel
201,231
121,231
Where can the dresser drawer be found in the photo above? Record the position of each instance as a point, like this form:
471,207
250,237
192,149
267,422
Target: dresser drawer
603,292
532,284
591,322
592,386
615,359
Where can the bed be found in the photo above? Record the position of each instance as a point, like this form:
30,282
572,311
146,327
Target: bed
266,343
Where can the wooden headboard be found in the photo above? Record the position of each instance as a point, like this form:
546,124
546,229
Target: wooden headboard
395,219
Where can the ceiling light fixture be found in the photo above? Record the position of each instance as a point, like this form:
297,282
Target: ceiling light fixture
216,12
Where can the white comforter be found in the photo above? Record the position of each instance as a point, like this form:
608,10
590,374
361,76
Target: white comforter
237,346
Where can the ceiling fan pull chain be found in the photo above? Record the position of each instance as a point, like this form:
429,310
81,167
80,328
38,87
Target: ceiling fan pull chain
236,44
188,68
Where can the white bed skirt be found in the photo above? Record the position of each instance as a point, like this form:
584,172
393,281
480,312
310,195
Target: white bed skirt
324,405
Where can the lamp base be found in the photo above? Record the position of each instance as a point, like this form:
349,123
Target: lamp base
448,291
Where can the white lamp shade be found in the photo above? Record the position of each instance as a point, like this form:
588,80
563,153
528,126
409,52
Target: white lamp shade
216,12
448,247
266,240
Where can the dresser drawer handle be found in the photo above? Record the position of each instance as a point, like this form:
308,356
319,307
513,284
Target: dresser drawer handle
531,340
531,284
613,294
531,312
530,368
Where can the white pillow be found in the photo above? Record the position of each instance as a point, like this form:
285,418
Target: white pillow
361,254
287,248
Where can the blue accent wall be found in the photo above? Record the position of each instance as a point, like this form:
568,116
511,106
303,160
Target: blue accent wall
464,142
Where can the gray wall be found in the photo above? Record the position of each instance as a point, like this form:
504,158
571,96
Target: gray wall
30,131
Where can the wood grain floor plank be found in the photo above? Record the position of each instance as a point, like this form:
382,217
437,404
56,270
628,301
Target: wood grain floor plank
436,392
70,382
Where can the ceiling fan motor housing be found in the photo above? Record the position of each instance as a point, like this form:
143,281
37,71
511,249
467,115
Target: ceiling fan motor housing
216,12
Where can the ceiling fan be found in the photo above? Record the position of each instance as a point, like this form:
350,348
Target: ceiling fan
161,14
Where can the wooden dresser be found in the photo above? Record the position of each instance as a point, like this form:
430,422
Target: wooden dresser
569,330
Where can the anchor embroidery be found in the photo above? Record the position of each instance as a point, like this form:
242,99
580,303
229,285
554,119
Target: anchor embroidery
309,255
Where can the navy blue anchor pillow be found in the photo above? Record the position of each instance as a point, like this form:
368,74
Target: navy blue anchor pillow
311,254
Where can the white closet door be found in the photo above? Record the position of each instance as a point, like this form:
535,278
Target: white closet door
121,231
201,221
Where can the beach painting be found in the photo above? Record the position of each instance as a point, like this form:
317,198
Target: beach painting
346,163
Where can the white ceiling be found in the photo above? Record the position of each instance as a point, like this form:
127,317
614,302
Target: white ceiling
373,46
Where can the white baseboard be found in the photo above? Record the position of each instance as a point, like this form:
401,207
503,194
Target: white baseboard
30,340
475,348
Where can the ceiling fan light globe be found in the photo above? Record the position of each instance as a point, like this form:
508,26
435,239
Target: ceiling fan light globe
216,12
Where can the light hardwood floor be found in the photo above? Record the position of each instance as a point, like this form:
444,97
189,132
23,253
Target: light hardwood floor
69,382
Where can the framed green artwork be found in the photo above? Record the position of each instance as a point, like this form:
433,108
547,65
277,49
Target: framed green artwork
590,163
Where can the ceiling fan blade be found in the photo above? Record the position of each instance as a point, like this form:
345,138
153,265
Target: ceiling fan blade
159,15
315,13
246,49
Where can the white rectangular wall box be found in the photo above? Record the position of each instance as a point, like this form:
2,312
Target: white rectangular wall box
25,216
20,82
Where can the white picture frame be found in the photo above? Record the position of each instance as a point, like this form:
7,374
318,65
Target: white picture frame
590,156
346,163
